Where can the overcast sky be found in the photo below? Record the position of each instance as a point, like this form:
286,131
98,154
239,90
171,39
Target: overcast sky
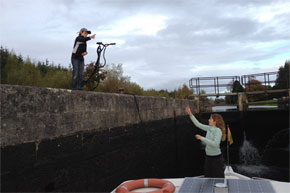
161,43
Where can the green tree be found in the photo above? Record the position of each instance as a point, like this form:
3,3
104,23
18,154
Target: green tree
43,68
219,101
3,61
14,70
183,92
21,73
282,81
164,93
57,79
90,77
234,88
255,85
111,80
203,98
114,79
133,88
155,93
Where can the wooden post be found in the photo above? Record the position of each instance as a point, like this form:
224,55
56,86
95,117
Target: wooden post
242,102
198,103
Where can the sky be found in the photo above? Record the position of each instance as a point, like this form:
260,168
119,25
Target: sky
161,44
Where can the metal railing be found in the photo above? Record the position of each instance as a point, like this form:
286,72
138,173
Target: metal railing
263,79
211,82
217,85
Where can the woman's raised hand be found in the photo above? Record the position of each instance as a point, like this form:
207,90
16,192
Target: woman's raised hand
188,111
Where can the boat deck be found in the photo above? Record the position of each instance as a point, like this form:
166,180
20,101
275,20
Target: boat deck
236,183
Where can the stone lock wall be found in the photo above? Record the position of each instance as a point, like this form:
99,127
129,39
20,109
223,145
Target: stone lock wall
64,140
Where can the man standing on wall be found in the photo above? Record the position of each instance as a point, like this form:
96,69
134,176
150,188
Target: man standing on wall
77,58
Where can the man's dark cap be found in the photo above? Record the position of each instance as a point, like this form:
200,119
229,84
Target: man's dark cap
85,29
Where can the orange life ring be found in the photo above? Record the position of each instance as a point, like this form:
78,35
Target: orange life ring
165,185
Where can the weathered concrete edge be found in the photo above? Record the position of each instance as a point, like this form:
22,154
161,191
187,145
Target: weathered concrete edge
33,114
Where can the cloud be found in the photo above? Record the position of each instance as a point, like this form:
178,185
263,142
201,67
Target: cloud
161,44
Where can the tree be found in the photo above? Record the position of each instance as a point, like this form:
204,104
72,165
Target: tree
183,92
20,58
282,81
20,73
111,79
219,101
203,98
94,81
255,85
153,92
14,70
57,79
234,88
114,79
133,88
43,68
3,61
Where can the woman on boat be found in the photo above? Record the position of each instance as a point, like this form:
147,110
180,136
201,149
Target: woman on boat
215,132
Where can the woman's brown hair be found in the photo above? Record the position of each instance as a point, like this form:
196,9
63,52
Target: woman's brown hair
220,124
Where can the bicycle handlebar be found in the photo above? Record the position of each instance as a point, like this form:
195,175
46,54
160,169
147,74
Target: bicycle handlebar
105,45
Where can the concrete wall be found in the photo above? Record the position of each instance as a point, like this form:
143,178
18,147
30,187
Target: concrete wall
31,114
73,141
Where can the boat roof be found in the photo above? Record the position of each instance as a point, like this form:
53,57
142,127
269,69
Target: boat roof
235,183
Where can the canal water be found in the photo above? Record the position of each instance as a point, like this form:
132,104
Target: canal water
229,108
256,164
269,161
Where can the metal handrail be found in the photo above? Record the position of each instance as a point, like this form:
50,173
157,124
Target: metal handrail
217,82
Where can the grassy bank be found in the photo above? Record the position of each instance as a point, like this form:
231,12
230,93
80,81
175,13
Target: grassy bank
266,102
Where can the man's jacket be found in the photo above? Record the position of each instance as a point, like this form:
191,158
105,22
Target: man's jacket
80,46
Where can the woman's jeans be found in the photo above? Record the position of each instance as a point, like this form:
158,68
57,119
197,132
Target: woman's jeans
77,73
